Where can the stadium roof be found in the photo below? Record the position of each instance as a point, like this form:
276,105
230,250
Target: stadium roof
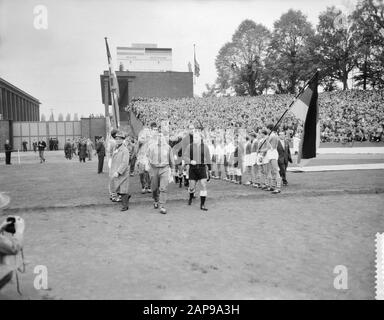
4,83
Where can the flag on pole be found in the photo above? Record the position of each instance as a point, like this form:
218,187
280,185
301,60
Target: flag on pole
135,123
306,109
114,89
197,66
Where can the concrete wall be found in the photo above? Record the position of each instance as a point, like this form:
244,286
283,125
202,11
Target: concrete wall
93,127
161,84
62,130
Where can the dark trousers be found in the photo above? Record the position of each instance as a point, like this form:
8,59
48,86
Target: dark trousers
283,170
41,155
100,164
8,157
145,180
132,165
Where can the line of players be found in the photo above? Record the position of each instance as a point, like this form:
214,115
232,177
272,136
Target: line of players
263,156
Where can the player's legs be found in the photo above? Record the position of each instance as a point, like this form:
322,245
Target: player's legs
276,180
203,194
191,190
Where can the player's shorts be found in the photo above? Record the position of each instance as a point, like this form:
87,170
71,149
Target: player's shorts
253,158
272,154
249,159
237,171
197,172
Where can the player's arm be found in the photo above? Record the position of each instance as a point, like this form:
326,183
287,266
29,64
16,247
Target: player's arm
186,155
171,159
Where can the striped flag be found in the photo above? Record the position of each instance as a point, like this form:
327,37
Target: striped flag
135,123
306,109
197,66
114,89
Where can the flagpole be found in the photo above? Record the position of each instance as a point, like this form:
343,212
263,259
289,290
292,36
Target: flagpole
194,64
290,105
112,92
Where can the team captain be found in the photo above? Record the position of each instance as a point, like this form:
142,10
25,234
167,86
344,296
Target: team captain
197,157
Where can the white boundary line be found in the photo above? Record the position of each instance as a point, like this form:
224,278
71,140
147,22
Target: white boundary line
379,266
341,167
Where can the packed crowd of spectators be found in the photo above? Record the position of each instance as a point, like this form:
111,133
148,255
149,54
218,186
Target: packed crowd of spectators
353,115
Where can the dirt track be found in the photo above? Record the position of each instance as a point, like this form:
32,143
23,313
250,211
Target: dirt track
249,245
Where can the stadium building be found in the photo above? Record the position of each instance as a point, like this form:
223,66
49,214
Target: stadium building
145,71
144,57
20,122
17,105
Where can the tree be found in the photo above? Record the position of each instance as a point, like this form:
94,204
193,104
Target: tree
42,117
75,117
290,59
240,63
51,117
335,45
68,117
368,26
121,67
60,117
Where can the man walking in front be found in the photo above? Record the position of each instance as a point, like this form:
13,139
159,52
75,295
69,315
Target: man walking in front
198,160
161,160
284,157
119,172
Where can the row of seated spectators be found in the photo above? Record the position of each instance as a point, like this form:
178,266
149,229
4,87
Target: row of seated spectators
345,116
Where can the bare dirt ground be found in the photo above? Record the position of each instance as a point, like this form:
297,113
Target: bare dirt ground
249,245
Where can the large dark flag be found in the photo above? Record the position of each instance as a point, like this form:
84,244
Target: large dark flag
135,123
306,109
197,66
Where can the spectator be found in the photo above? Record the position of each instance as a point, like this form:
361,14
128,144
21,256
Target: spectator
8,151
41,146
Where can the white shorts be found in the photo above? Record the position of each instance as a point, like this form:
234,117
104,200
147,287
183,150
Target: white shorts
272,155
253,158
265,159
248,160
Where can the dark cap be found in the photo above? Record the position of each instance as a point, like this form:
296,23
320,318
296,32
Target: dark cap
113,132
153,125
121,134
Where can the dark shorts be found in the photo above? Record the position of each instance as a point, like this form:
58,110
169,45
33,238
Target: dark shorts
197,172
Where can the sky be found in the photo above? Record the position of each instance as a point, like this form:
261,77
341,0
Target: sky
61,65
